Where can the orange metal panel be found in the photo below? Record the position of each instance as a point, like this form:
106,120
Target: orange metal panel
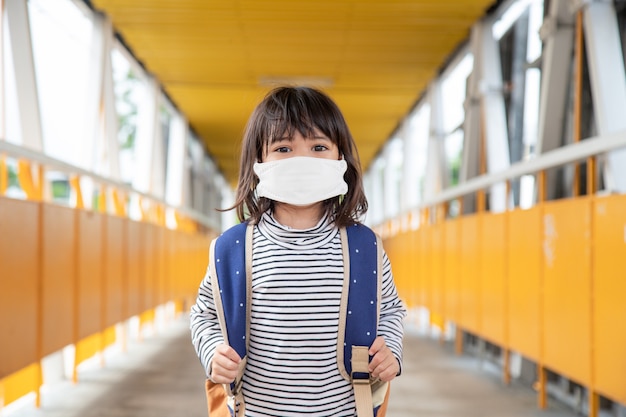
493,277
114,278
58,284
393,248
567,288
436,277
609,289
470,273
169,266
90,281
148,258
452,270
422,259
177,264
414,267
159,265
134,264
19,237
524,282
428,262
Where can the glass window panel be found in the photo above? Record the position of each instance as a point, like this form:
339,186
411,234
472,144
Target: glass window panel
60,36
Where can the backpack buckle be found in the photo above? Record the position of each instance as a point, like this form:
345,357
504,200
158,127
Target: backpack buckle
360,377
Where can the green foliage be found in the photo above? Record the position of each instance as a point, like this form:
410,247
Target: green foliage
13,180
127,109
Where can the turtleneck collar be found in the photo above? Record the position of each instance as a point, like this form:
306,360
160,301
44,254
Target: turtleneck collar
314,237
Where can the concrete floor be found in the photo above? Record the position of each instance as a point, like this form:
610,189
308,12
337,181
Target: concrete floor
161,377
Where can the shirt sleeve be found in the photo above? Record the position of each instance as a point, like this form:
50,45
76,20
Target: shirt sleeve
392,313
205,329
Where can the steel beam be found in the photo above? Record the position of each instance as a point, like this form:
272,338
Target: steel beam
435,176
493,114
557,32
608,82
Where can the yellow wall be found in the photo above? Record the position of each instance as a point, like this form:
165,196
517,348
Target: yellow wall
548,282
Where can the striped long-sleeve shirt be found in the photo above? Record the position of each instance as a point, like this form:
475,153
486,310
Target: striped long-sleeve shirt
297,278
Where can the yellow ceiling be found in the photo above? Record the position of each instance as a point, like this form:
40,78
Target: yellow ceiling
217,59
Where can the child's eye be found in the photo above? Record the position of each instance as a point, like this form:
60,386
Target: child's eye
282,149
320,148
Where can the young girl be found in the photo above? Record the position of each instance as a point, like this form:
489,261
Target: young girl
300,182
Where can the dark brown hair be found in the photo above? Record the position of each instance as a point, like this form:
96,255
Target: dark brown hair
283,111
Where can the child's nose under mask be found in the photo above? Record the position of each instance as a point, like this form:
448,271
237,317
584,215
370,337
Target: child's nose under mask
301,180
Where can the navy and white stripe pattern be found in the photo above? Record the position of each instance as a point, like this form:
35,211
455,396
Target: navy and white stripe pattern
297,278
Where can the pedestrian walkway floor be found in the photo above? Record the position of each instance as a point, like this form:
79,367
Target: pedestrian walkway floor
162,377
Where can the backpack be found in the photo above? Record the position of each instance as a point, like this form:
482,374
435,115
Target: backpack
358,320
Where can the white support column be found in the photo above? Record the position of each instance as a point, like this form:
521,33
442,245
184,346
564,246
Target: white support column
392,153
110,113
408,181
470,164
176,162
24,70
608,82
494,115
92,132
3,130
557,32
197,192
435,177
147,120
376,200
157,167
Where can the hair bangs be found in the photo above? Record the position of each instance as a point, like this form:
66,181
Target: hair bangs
297,110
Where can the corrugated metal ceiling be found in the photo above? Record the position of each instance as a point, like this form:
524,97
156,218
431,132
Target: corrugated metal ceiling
216,60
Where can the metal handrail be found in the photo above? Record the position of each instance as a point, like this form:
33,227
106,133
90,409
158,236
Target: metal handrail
571,153
32,155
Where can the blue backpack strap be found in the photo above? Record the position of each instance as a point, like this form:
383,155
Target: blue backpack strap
231,274
363,292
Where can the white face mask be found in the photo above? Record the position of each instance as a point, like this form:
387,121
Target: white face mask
301,180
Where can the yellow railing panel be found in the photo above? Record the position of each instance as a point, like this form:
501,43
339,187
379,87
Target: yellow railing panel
135,270
159,264
90,277
58,277
399,252
427,262
452,270
115,308
148,267
470,273
524,281
68,276
567,288
609,292
19,276
20,383
493,277
414,271
419,243
436,278
4,174
88,347
109,336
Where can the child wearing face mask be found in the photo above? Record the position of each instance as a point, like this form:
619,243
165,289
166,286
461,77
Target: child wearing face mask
300,185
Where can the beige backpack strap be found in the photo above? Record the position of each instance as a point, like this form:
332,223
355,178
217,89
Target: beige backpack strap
362,388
